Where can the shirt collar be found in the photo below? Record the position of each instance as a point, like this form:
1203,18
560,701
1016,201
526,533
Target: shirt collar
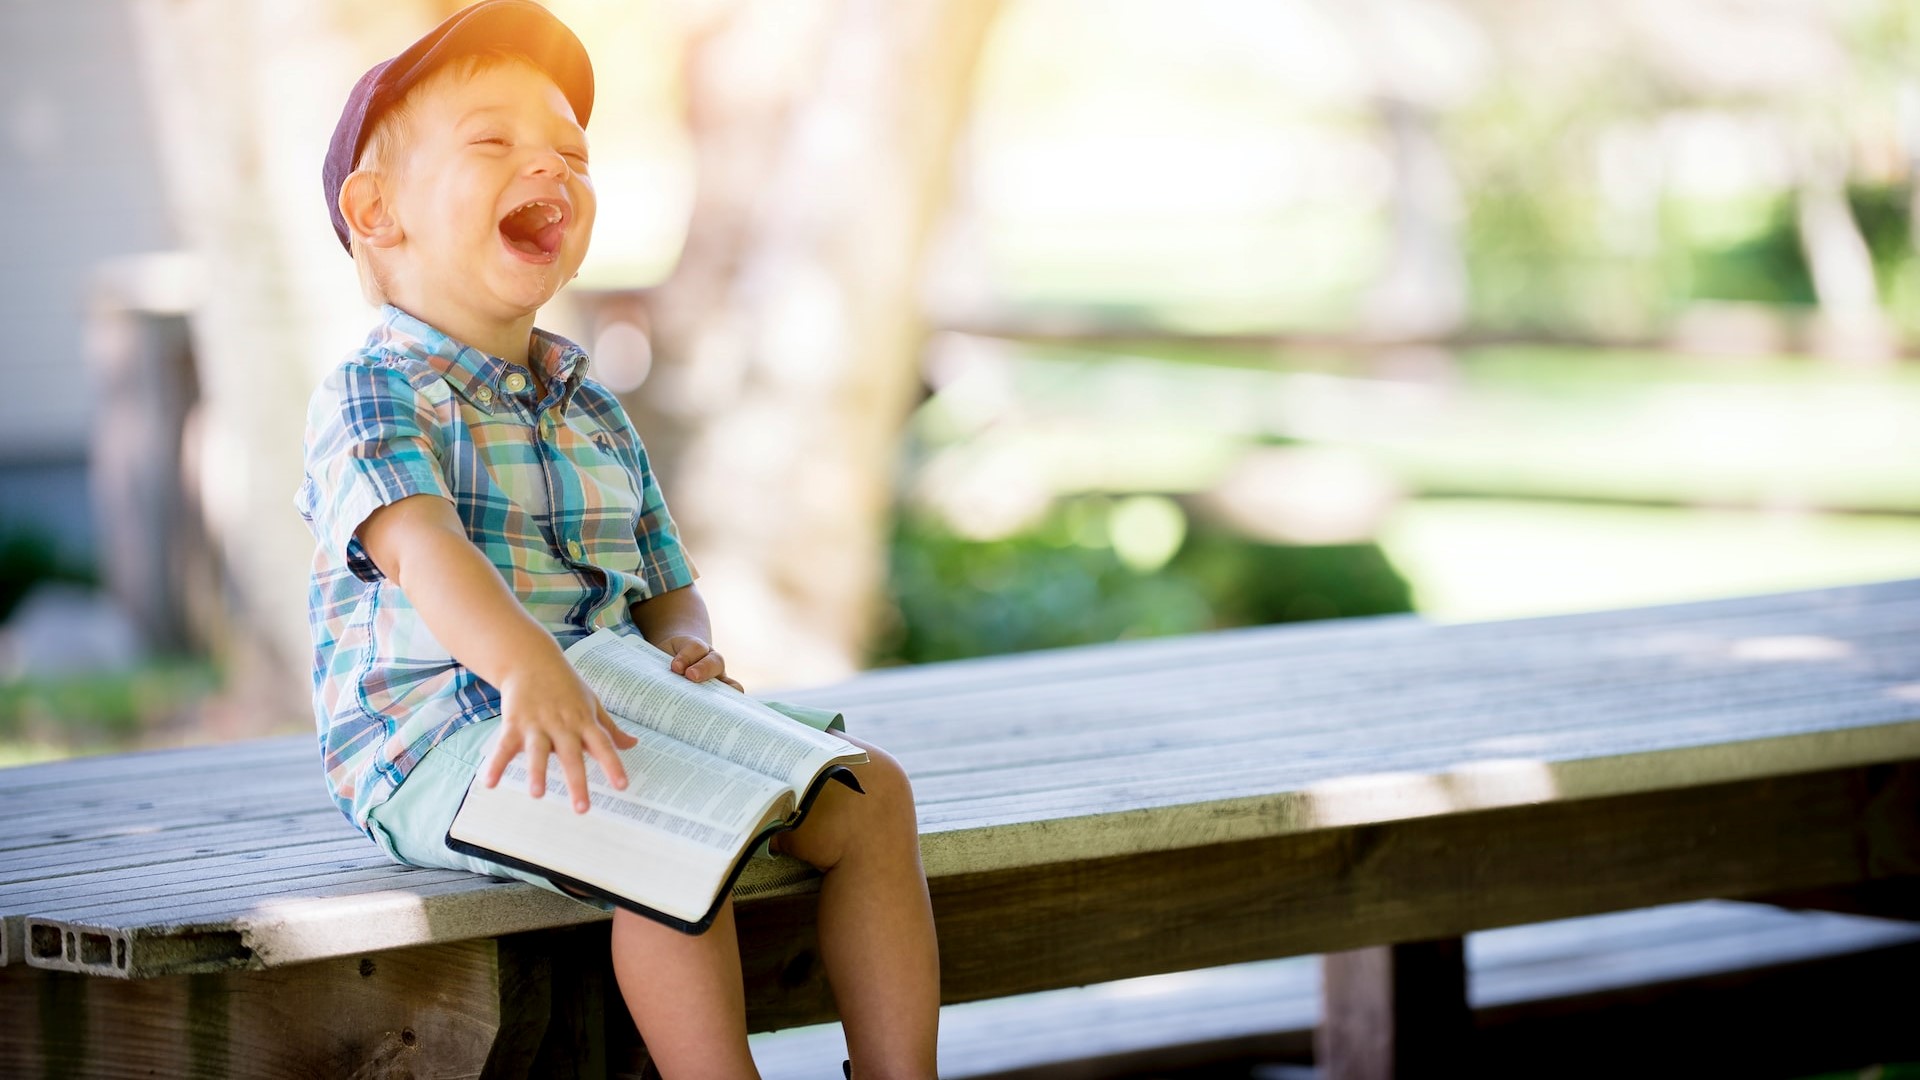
478,375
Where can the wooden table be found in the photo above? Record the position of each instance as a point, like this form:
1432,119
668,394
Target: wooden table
1370,788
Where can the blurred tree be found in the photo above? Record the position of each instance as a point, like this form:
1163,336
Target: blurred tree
1421,59
237,90
786,342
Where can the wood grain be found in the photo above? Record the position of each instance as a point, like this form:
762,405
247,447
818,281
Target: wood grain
1013,931
1395,1011
441,1010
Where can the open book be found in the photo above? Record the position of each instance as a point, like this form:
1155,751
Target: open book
714,774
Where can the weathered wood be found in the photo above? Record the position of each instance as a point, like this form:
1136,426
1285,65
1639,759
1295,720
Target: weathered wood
1894,898
227,871
1395,1011
1415,647
1014,931
1384,643
149,811
1165,1023
191,761
184,842
1842,1013
1269,795
1303,728
578,977
441,1010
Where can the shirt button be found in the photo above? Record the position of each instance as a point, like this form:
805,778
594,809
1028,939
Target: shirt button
484,395
514,382
546,426
573,548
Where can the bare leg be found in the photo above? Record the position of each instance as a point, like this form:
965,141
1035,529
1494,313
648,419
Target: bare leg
685,996
876,922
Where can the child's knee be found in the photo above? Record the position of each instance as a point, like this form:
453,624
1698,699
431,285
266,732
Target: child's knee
888,791
843,821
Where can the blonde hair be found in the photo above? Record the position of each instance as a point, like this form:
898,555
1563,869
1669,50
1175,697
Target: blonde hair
385,149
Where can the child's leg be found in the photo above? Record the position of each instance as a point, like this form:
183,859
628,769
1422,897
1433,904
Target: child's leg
876,923
684,992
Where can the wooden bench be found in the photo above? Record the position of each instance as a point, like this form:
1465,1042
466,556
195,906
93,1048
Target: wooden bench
1675,990
1371,788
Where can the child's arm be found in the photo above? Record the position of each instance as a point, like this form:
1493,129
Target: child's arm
676,622
419,543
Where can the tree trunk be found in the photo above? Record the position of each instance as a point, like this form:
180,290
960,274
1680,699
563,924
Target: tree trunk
1851,327
786,342
231,88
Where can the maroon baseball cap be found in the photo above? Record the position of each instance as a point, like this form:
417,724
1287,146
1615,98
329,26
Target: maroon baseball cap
521,25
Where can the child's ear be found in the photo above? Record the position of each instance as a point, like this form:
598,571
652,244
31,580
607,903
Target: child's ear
363,203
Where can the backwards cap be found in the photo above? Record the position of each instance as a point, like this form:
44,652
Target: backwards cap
521,25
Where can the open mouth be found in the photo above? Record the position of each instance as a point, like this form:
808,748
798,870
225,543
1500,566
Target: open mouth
535,228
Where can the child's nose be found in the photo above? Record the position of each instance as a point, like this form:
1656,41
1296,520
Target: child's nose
551,162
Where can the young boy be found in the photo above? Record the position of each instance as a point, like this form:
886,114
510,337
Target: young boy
480,503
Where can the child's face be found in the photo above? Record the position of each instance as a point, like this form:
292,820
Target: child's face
480,150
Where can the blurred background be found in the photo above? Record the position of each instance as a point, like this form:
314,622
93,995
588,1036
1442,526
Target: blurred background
959,327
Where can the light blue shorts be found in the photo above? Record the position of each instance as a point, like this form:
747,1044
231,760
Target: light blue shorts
411,826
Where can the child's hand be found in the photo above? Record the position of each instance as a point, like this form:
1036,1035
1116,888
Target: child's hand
696,659
545,706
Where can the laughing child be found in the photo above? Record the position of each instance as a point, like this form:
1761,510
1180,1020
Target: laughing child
479,503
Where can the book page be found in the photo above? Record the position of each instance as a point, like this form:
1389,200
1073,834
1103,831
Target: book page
667,841
603,847
636,683
706,800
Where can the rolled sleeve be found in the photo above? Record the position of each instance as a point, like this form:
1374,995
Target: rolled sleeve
371,441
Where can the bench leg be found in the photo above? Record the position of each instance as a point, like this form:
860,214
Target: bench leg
1394,1012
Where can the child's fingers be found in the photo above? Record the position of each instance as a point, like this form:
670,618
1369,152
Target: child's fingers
688,652
600,745
503,752
574,767
729,680
622,738
707,666
601,742
537,749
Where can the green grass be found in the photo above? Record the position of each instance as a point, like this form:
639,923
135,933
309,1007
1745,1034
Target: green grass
1501,558
97,712
1538,479
1535,422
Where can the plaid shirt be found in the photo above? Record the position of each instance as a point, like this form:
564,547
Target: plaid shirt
557,493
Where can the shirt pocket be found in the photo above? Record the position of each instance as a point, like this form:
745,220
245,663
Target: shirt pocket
611,502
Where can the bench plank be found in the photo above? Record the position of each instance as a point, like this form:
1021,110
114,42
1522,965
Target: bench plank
1353,886
1363,642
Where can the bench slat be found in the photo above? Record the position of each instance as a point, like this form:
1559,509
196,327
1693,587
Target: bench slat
171,878
141,848
190,761
1550,719
897,687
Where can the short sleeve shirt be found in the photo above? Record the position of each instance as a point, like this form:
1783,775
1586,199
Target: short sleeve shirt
557,492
